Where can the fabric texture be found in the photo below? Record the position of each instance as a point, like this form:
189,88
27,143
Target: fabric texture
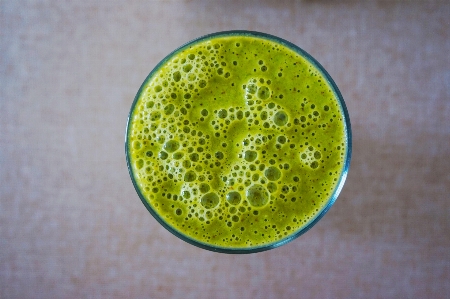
72,225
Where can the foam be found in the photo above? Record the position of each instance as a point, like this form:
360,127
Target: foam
229,154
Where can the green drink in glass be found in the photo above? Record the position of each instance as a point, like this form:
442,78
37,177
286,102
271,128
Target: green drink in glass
238,142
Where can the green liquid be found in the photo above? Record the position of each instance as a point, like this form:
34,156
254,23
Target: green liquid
237,141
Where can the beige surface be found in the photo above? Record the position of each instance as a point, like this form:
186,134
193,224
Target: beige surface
72,226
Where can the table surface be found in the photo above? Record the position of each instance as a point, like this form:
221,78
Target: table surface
72,225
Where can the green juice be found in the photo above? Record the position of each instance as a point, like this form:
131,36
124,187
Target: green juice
237,141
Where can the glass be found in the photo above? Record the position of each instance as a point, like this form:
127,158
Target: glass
331,199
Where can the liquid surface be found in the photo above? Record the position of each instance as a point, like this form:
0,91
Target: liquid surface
237,141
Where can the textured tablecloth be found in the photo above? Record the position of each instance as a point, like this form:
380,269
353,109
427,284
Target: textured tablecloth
72,226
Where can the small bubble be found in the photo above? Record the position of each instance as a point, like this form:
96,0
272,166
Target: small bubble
158,88
136,145
139,164
314,164
317,155
169,109
280,118
252,88
187,68
257,195
194,157
178,155
176,76
281,139
326,108
233,197
263,93
202,83
163,155
190,176
204,187
171,146
209,200
250,156
222,113
219,155
272,173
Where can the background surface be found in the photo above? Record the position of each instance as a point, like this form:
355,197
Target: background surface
72,226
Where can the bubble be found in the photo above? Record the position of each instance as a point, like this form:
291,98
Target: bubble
149,154
163,155
272,173
190,176
281,139
171,146
272,187
263,93
186,194
158,88
263,68
252,88
178,212
235,218
176,76
155,115
280,118
202,83
317,155
204,187
326,108
219,155
222,113
169,109
139,164
178,155
192,77
209,200
194,157
136,145
250,156
187,68
234,197
314,164
204,112
191,56
257,195
239,114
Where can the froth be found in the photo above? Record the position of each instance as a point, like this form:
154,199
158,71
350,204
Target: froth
215,148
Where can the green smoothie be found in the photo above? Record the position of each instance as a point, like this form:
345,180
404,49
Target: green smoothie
238,141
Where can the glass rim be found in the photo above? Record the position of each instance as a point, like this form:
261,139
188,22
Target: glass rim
331,200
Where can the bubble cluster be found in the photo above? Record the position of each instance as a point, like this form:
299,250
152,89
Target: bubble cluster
229,157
